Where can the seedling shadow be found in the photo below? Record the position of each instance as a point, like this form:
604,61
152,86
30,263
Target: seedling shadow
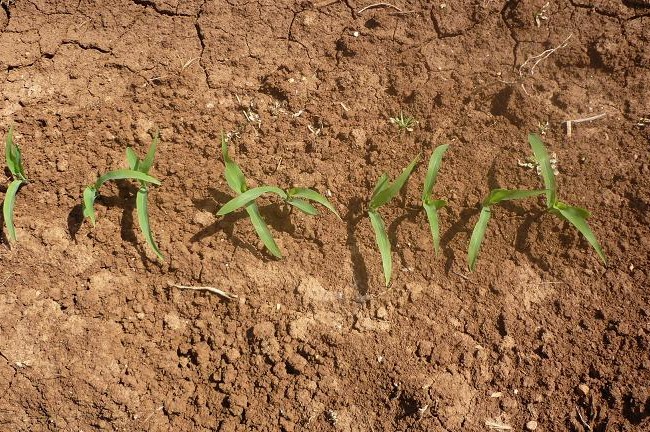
75,220
461,226
355,215
410,215
274,215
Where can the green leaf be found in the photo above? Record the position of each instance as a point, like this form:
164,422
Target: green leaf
477,237
142,208
248,196
382,183
147,162
8,207
583,213
132,159
303,206
312,195
234,175
432,170
544,162
14,157
90,193
434,225
262,229
576,216
125,174
498,195
387,193
383,243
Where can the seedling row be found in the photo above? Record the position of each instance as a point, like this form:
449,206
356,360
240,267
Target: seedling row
304,199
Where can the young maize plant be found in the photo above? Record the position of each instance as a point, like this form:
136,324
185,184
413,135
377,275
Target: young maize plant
15,165
297,197
431,206
495,197
576,216
138,170
384,192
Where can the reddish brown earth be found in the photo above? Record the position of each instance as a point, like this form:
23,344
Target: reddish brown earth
93,338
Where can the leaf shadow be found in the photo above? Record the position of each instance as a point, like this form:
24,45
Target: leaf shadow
125,200
359,269
75,220
460,226
410,215
276,216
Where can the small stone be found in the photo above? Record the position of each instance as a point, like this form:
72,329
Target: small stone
264,330
583,389
425,348
531,425
172,322
203,218
381,313
62,165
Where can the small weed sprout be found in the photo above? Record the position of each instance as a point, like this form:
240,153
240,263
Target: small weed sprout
576,216
15,165
138,170
403,122
296,197
495,197
431,206
384,192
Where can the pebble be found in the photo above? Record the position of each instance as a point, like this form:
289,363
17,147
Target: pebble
583,389
531,425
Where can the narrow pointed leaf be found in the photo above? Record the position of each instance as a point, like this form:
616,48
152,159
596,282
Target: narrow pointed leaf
575,216
388,193
234,175
583,213
383,243
89,195
262,229
432,170
147,162
13,156
477,237
125,174
303,206
544,162
142,207
312,195
248,196
498,195
8,207
382,183
132,159
434,224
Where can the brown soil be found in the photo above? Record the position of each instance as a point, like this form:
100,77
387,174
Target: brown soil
93,338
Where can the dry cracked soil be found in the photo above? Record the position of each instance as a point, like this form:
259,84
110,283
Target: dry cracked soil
542,336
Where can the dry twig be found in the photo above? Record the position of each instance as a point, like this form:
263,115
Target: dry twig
569,123
379,5
212,290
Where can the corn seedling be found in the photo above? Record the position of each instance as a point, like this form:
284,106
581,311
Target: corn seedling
15,165
495,197
384,192
138,170
431,206
576,216
403,122
296,197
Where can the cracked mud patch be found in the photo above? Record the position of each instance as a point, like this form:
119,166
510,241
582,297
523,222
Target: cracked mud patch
93,337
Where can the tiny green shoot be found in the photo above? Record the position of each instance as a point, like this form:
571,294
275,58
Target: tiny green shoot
494,197
138,170
431,206
296,197
574,215
15,165
403,122
384,192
